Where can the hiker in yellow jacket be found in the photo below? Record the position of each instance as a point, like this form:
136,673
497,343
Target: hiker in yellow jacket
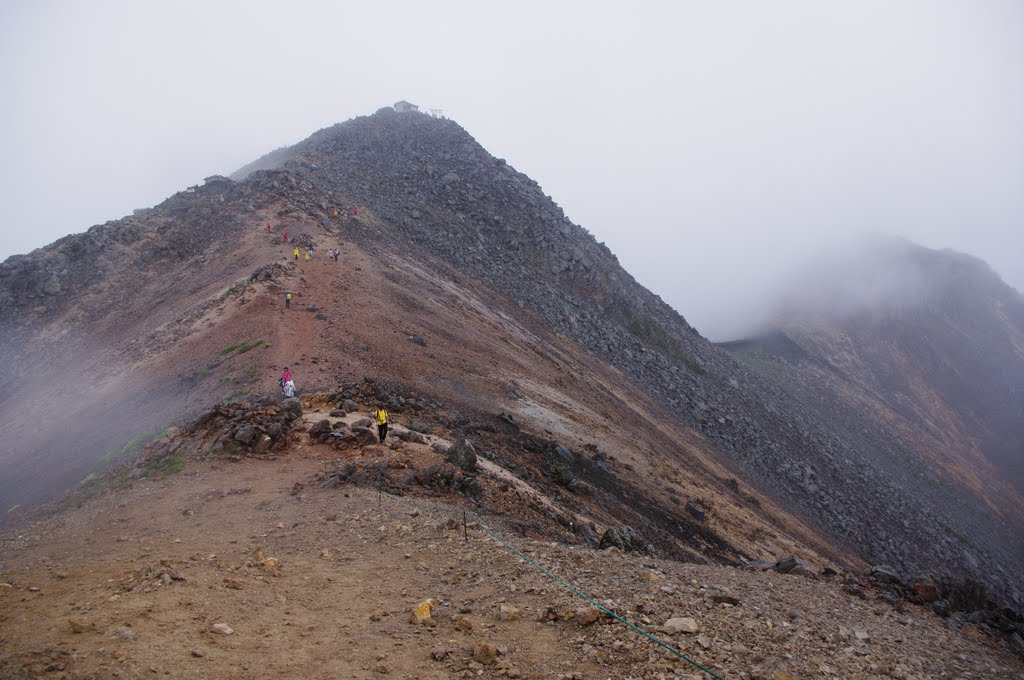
296,252
381,414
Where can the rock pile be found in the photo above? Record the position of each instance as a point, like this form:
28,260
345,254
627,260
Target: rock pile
239,429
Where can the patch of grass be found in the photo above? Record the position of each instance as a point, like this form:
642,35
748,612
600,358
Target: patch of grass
201,374
131,446
249,346
165,467
241,347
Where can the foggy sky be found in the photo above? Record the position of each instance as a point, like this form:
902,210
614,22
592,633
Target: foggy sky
712,146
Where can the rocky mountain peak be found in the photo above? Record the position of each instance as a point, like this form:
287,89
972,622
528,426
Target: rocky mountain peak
517,310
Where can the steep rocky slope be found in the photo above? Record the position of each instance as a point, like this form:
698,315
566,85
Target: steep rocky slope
927,349
516,309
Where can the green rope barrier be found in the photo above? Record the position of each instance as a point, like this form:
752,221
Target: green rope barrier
597,604
660,643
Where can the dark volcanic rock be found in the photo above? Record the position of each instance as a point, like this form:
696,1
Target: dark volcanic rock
462,455
624,538
292,407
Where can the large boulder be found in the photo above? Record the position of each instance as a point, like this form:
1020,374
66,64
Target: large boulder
363,436
291,408
411,436
624,538
321,431
419,426
245,434
462,455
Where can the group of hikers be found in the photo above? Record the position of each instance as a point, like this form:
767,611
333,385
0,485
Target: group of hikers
332,254
380,414
286,381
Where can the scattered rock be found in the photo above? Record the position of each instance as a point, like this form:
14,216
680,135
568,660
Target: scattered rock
508,613
681,625
79,626
222,629
588,615
485,653
123,633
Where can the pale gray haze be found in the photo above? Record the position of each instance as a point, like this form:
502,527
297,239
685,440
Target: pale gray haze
713,146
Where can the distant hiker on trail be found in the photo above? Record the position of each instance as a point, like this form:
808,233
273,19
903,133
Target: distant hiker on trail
356,211
289,389
307,256
284,237
381,414
310,250
296,252
286,376
287,303
268,227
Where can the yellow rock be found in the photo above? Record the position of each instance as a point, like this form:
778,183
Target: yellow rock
423,612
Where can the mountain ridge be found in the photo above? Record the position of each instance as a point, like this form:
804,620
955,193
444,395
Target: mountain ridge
428,193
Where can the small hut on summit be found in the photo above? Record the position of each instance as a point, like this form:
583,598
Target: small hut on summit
404,106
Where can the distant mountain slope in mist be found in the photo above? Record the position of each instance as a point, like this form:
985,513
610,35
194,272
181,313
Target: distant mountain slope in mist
936,337
924,346
522,311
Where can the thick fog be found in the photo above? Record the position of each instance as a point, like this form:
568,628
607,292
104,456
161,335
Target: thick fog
713,146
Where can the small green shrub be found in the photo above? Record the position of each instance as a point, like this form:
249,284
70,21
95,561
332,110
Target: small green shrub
250,346
171,465
230,348
242,347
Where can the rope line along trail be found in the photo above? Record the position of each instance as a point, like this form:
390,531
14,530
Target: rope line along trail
549,574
